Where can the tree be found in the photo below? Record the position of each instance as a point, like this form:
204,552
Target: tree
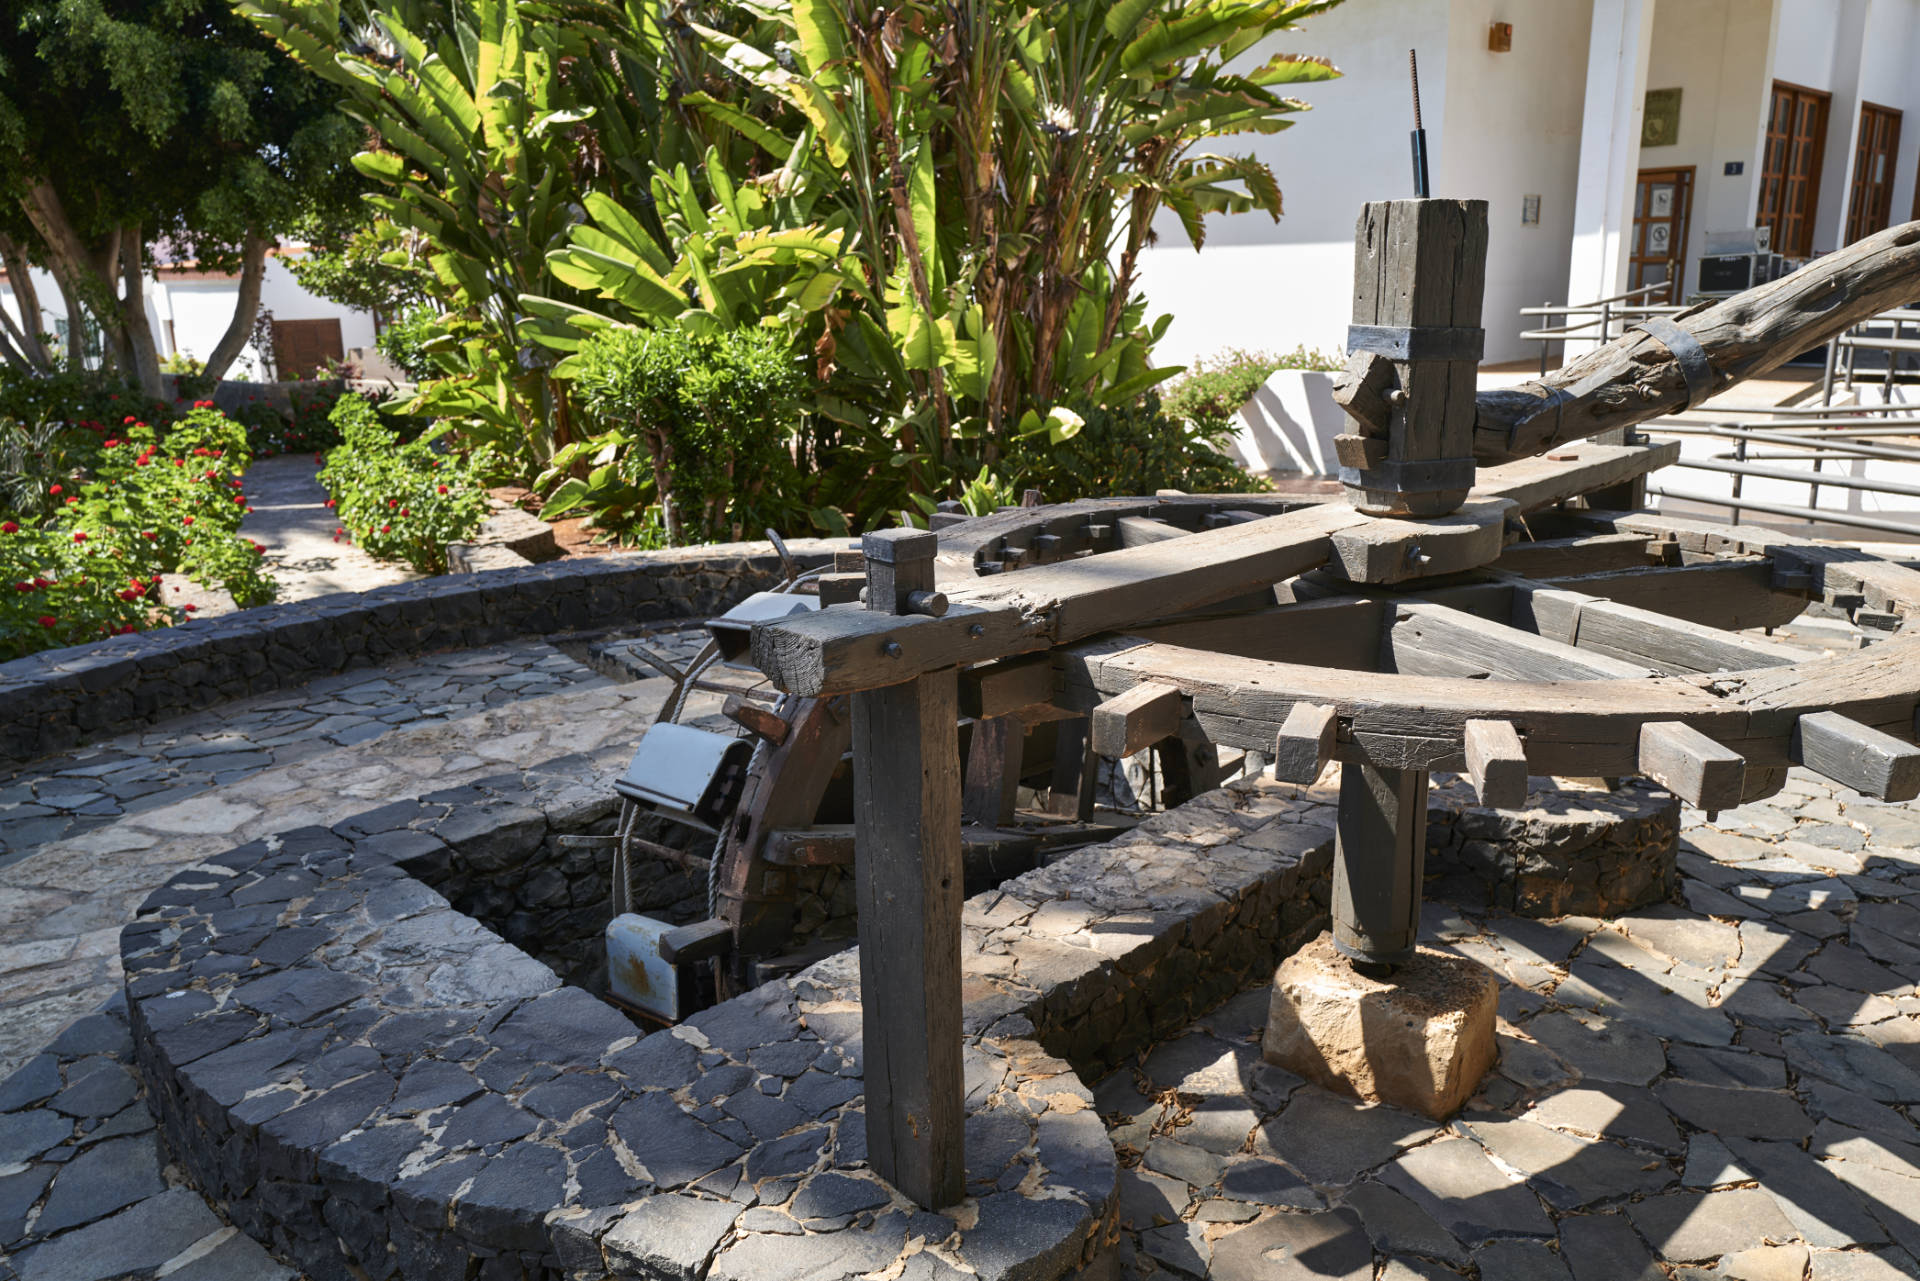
125,124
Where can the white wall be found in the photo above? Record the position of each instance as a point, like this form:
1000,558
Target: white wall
1618,51
1266,286
1513,129
1890,77
1715,53
200,308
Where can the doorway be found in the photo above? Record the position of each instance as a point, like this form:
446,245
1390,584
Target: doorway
1790,172
1870,202
1662,211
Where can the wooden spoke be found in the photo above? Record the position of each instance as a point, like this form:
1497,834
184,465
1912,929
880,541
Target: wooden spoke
1002,688
993,770
1139,531
1433,640
1857,756
1692,766
1136,719
1497,763
1305,743
1640,635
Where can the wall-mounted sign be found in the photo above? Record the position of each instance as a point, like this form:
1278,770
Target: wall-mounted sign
1660,122
1529,211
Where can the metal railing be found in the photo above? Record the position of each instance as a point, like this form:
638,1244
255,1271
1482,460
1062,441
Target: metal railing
1812,438
1599,329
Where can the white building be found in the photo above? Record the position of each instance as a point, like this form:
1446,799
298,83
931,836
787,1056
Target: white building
190,310
1789,117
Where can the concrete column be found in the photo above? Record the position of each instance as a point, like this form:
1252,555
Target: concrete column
1617,54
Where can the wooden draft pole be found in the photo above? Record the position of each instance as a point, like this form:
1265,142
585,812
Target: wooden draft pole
907,883
1418,277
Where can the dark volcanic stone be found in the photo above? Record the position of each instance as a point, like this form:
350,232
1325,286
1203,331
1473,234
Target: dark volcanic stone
135,1241
318,1121
567,1095
565,1025
95,1034
38,1079
674,1148
795,1154
662,1059
486,1120
96,1087
508,1203
102,1179
832,1195
203,1036
18,1192
669,1237
768,1118
301,995
25,1135
431,1084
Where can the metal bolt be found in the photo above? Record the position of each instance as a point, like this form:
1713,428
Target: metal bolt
1417,557
977,630
893,649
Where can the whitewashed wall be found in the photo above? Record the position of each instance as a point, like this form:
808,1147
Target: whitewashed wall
1716,53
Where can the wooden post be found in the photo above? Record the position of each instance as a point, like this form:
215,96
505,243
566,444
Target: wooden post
907,875
1379,856
1419,271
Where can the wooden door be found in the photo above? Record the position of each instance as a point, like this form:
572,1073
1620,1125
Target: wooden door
1790,168
303,348
1870,194
1662,211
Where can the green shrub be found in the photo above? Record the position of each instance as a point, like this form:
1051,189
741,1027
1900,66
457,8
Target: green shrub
88,399
399,501
1132,449
1213,389
698,425
404,341
149,503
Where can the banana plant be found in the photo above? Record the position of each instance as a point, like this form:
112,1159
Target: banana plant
1000,163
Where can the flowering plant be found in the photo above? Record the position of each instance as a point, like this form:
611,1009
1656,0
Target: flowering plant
399,501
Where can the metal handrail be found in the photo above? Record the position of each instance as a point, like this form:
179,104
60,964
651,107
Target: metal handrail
1812,516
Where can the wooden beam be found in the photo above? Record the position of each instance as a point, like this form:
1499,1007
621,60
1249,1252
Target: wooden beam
1004,687
1497,763
1637,376
1857,756
1584,554
756,718
1425,639
993,771
1188,767
1392,551
1379,854
908,877
1731,594
1135,720
1076,771
1305,743
1838,575
1340,631
1533,483
1692,766
1637,635
1140,531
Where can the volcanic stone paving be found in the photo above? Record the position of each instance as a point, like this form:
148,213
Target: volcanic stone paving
1721,1088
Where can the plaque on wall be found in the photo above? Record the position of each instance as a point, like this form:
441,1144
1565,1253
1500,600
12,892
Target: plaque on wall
1660,122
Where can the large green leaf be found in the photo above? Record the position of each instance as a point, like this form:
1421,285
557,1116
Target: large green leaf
823,40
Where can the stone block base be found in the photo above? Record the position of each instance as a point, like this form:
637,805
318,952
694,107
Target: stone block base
1420,1040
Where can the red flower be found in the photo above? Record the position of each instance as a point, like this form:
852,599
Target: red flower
129,418
239,501
189,608
186,520
23,587
48,620
330,504
42,582
54,490
181,462
148,534
9,528
73,502
391,502
441,489
386,529
79,536
405,512
108,444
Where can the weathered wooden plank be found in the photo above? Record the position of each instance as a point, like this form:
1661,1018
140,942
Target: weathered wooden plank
1732,595
1141,531
1857,756
1304,744
1636,377
1137,719
1497,763
1188,767
1642,636
837,650
1076,771
1571,727
908,878
1533,483
756,719
1432,640
1379,854
827,845
1393,551
1584,554
1701,772
993,771
1004,687
1341,631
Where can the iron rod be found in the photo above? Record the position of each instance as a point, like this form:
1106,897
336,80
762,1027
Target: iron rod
1797,513
1745,468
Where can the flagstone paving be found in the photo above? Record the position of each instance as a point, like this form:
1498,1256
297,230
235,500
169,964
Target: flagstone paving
1725,1086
